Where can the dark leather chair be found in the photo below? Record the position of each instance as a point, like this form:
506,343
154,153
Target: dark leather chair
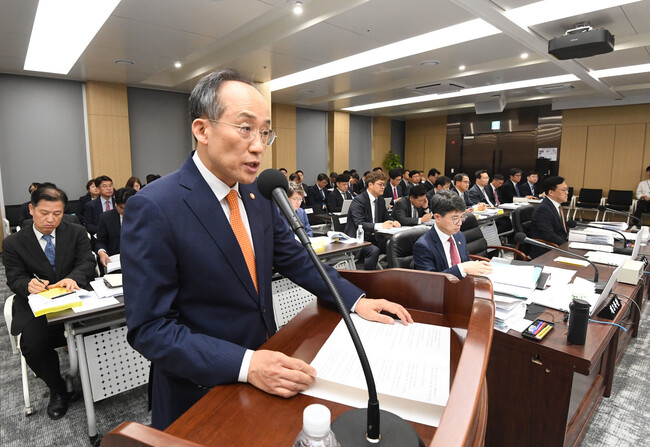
399,249
521,222
619,200
588,200
476,244
338,222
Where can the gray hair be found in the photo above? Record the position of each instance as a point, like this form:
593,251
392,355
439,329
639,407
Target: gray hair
295,188
205,101
444,201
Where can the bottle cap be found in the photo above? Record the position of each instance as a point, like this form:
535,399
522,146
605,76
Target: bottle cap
316,420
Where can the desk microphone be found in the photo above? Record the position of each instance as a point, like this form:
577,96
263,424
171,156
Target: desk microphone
521,238
603,208
348,427
624,251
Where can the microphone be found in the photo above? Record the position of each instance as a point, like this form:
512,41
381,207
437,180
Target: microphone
603,208
348,427
624,251
521,238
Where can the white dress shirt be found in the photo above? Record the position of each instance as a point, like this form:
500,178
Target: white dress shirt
643,189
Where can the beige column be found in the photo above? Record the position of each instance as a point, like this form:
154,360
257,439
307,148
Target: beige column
267,161
426,141
338,141
283,151
108,131
380,139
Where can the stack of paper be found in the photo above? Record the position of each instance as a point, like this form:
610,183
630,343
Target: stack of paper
103,291
592,236
508,312
114,265
52,300
514,280
600,257
587,246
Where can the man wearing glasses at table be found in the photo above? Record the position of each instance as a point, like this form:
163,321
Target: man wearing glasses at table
443,248
549,222
198,251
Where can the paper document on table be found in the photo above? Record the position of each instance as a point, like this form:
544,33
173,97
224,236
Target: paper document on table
92,301
410,365
572,261
53,300
524,276
587,246
614,259
103,291
559,277
559,297
114,265
392,230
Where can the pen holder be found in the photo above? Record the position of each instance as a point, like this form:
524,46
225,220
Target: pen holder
578,320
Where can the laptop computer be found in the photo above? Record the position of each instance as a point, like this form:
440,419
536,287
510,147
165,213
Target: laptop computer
346,206
605,294
387,200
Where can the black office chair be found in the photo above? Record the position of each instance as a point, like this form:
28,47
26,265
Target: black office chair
588,200
478,247
619,200
338,222
399,249
522,222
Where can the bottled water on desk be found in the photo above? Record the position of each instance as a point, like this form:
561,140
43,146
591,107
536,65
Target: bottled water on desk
316,428
360,234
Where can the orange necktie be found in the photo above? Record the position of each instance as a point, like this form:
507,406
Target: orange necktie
562,217
241,235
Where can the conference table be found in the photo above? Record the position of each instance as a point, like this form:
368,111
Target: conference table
546,392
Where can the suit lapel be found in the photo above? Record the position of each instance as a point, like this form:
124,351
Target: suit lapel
207,209
437,244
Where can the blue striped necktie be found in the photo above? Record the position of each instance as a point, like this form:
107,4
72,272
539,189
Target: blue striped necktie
49,249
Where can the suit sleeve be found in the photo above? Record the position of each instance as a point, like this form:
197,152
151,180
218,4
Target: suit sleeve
474,196
89,217
102,234
84,264
399,212
18,277
357,215
426,258
543,221
331,203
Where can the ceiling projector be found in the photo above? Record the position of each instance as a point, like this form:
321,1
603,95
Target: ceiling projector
583,41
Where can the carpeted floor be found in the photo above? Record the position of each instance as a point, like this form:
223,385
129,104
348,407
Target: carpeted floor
619,421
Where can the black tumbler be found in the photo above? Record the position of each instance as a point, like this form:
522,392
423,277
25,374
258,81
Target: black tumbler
578,320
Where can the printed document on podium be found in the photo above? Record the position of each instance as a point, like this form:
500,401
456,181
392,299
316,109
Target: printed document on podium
410,365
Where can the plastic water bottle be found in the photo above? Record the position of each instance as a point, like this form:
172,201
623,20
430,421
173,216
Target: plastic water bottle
360,234
316,428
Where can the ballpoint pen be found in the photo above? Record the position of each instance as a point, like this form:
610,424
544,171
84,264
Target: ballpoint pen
39,280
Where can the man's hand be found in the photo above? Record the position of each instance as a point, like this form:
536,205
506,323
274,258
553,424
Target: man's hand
69,284
369,309
476,267
276,373
104,258
36,287
426,218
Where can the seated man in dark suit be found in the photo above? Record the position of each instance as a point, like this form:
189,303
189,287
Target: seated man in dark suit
95,208
335,198
415,210
395,187
443,248
48,253
442,182
317,194
479,193
494,189
361,185
548,222
529,188
24,208
110,227
461,186
369,210
510,187
430,182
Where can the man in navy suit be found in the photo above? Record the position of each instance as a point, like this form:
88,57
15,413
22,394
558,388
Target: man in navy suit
529,187
461,186
341,193
199,247
414,210
47,253
94,209
317,194
548,222
368,209
479,192
395,187
510,187
110,227
443,248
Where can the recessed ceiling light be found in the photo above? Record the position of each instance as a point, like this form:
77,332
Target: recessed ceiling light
524,55
62,31
620,71
461,67
297,7
528,15
123,61
177,64
429,63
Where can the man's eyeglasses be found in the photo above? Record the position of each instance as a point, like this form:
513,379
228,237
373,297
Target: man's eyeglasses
563,189
456,220
248,132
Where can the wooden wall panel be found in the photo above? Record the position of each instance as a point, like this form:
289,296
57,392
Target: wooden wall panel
628,155
646,154
267,159
607,115
338,141
434,152
598,163
426,143
283,151
108,131
572,156
381,131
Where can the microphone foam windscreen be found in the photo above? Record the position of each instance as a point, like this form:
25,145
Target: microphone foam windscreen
602,208
520,238
571,223
269,180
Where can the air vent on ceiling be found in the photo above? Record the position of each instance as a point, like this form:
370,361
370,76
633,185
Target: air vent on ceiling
438,87
557,88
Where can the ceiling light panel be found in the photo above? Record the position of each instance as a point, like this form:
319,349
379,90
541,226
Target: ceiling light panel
550,10
62,31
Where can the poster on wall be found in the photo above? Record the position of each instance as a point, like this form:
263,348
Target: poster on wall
549,153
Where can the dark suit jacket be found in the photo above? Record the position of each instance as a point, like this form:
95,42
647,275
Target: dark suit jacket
428,185
465,196
191,305
359,187
108,235
429,254
525,189
360,213
546,224
388,191
335,200
93,210
490,192
474,195
24,213
23,257
315,200
403,212
507,192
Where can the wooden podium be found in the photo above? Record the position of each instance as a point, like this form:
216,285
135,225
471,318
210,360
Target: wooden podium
239,414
